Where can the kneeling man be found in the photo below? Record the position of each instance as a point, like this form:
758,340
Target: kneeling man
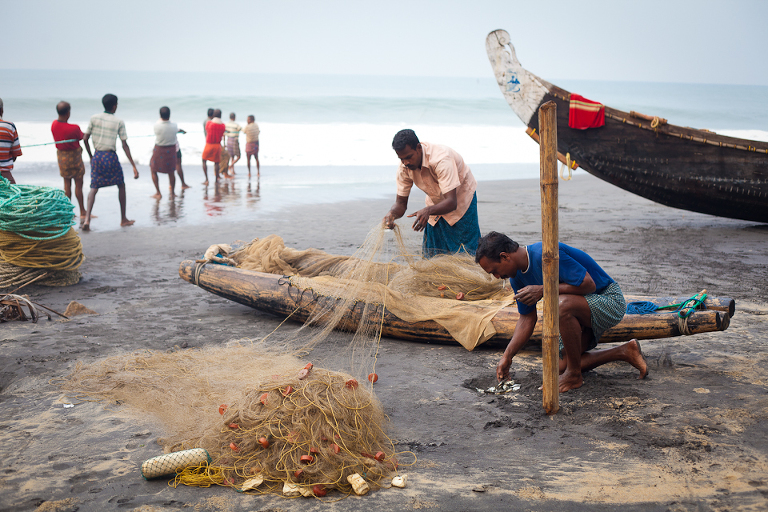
590,303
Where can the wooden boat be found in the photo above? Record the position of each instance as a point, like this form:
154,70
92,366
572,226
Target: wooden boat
686,168
275,294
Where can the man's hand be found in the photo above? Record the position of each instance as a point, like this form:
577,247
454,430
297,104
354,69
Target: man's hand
530,295
389,221
502,369
422,218
135,173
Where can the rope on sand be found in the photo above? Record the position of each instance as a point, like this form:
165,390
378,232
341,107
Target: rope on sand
36,213
63,253
37,242
12,276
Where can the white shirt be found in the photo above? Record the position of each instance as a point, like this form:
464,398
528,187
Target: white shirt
165,133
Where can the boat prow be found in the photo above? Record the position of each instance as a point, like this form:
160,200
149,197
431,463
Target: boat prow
686,168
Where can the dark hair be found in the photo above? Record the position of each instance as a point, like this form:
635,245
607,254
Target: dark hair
165,113
210,112
109,101
217,112
232,116
252,117
63,108
493,244
405,138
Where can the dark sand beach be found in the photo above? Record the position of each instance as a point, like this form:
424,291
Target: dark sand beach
692,436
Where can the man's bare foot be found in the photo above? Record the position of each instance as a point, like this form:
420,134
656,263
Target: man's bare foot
171,195
126,222
636,358
570,380
205,182
184,186
85,227
157,196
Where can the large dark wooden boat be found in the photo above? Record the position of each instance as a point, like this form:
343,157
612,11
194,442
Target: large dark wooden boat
686,168
275,294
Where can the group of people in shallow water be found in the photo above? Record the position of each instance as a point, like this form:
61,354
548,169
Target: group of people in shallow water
104,129
590,300
216,132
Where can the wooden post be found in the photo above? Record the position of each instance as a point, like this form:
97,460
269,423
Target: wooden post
550,256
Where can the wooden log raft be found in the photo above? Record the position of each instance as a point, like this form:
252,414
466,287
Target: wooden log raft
274,294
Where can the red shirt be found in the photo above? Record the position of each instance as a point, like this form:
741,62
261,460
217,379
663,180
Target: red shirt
66,131
215,132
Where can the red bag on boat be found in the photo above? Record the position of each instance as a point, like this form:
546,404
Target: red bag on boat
585,113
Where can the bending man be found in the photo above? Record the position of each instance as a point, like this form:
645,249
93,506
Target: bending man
590,303
449,220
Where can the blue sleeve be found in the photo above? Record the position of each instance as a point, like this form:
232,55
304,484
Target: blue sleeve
571,271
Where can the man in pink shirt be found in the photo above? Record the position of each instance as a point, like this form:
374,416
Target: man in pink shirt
449,220
69,154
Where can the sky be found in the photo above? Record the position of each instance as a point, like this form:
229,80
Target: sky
683,41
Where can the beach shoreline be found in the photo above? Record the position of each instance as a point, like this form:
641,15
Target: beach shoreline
692,436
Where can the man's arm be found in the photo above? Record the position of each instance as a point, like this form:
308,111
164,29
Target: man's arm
447,205
130,159
397,211
532,294
87,137
523,331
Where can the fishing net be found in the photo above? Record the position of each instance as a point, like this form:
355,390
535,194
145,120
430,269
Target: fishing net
257,411
383,274
268,420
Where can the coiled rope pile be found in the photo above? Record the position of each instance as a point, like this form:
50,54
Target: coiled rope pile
37,241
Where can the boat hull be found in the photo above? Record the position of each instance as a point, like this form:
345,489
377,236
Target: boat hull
694,170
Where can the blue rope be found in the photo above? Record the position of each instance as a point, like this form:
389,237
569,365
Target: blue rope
646,307
641,308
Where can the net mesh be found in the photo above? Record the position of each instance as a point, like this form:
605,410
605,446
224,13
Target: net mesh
265,416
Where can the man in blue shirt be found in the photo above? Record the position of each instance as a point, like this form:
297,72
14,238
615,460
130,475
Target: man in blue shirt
590,303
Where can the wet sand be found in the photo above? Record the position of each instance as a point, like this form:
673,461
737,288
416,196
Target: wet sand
692,436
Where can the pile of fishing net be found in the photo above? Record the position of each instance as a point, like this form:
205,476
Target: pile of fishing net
261,415
451,289
37,241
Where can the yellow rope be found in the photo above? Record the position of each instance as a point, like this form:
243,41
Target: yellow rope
63,253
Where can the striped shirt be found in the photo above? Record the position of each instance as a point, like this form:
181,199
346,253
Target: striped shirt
104,129
233,130
251,131
9,145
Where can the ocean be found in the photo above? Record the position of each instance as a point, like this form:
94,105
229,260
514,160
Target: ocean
327,138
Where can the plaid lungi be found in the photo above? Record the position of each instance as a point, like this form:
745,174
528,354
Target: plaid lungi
163,159
233,146
106,170
252,148
70,163
607,309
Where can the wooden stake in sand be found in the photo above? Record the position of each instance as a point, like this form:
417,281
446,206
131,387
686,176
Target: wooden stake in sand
550,256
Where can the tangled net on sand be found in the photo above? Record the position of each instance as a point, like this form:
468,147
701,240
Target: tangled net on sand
308,427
